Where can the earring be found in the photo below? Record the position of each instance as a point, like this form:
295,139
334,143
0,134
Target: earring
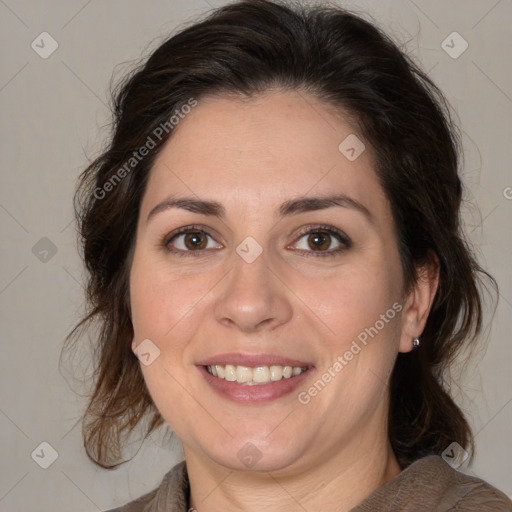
415,343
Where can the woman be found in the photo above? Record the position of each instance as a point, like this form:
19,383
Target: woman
278,267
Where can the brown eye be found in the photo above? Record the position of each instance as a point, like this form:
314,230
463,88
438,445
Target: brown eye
190,240
322,241
195,240
319,241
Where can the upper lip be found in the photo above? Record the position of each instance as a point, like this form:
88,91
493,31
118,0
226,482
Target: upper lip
252,360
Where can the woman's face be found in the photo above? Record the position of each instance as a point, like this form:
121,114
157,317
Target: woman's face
264,244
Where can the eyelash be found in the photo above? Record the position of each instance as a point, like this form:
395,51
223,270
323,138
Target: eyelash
341,237
329,230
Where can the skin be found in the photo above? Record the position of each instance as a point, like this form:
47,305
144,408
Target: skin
251,156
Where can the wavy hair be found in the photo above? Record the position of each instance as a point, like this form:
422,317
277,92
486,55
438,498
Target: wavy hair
247,48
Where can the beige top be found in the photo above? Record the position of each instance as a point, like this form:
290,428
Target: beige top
427,485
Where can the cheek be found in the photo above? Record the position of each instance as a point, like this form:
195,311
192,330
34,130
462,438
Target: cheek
363,316
167,310
360,309
351,301
166,307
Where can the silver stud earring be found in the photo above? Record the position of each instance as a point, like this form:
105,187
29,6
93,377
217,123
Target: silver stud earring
415,343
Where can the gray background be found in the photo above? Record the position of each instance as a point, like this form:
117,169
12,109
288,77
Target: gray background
53,116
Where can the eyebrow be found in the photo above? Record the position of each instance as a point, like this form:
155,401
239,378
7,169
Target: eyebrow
291,207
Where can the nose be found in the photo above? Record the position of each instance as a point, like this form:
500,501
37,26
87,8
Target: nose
252,297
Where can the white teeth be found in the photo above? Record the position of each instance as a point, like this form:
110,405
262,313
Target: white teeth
257,375
243,374
230,373
276,372
261,374
221,372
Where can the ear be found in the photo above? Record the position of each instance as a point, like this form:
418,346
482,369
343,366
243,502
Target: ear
418,303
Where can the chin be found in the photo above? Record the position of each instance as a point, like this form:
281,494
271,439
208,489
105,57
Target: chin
256,455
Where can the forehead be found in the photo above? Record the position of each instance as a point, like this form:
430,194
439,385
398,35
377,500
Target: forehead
264,149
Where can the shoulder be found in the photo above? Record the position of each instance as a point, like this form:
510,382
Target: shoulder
138,505
467,493
430,484
170,496
480,495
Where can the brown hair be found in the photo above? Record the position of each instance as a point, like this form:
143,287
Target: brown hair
246,48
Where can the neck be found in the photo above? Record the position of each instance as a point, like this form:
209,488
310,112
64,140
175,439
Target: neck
334,485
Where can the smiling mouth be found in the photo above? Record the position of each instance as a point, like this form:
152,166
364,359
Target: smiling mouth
253,376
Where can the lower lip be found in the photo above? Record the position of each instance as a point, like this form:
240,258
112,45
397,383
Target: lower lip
257,392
